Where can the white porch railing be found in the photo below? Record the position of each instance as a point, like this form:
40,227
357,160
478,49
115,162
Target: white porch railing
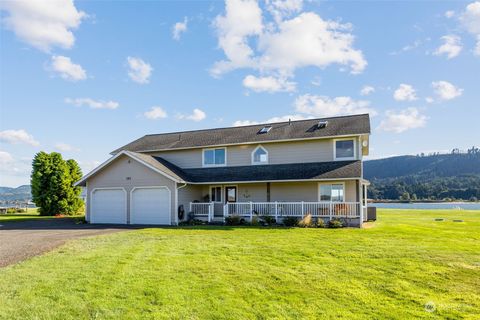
281,209
202,209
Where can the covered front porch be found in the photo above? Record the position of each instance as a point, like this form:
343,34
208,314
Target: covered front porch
329,199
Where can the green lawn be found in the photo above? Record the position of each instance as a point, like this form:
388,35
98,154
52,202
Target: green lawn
31,213
390,270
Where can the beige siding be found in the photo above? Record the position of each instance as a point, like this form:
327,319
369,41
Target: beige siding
294,191
116,174
191,158
241,155
257,192
307,191
188,194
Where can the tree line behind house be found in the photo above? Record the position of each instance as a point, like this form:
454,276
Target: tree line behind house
453,176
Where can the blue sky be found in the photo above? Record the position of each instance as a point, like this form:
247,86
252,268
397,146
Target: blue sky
84,78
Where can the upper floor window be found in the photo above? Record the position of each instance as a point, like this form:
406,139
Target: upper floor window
214,157
259,155
344,149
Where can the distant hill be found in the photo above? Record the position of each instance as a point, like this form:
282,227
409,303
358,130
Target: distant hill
433,177
12,194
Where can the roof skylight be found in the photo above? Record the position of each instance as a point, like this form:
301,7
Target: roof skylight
264,129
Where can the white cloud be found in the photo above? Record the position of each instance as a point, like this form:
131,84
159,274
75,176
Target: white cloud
155,113
409,47
366,90
43,24
322,106
67,69
17,137
93,104
88,166
281,9
138,70
283,45
404,120
179,28
308,40
64,147
452,46
470,19
449,14
197,115
241,20
405,92
445,90
5,158
285,118
268,84
429,100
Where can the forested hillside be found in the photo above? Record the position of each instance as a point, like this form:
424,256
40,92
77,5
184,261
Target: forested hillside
20,193
433,177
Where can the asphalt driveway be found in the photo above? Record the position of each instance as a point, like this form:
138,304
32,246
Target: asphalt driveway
20,240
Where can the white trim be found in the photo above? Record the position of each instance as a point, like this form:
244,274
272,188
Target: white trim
252,142
175,213
176,200
152,187
152,167
255,150
108,188
264,181
221,192
213,165
127,153
347,158
332,183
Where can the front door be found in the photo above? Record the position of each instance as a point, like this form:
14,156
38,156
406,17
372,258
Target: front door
231,194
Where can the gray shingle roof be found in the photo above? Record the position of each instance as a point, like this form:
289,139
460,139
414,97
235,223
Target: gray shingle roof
273,172
303,129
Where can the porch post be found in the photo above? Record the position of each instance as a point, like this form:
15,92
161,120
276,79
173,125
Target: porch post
276,211
330,211
209,212
360,200
303,209
251,211
190,207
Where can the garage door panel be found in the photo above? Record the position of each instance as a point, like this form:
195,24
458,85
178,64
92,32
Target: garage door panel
109,206
150,206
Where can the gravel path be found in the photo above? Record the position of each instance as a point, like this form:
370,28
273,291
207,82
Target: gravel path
20,240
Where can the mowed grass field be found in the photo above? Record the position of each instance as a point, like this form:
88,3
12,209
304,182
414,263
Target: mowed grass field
404,266
31,214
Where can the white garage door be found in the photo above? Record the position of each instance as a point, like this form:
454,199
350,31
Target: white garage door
150,206
109,206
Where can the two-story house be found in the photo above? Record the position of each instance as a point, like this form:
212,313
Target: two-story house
282,169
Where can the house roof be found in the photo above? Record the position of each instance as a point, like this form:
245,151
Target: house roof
273,172
238,174
144,159
281,131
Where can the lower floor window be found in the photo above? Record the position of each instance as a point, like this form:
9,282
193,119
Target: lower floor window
216,194
332,192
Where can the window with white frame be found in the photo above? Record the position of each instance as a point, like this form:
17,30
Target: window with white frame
344,149
260,155
216,194
214,157
334,192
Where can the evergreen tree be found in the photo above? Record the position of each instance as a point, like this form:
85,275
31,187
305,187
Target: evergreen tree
52,182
